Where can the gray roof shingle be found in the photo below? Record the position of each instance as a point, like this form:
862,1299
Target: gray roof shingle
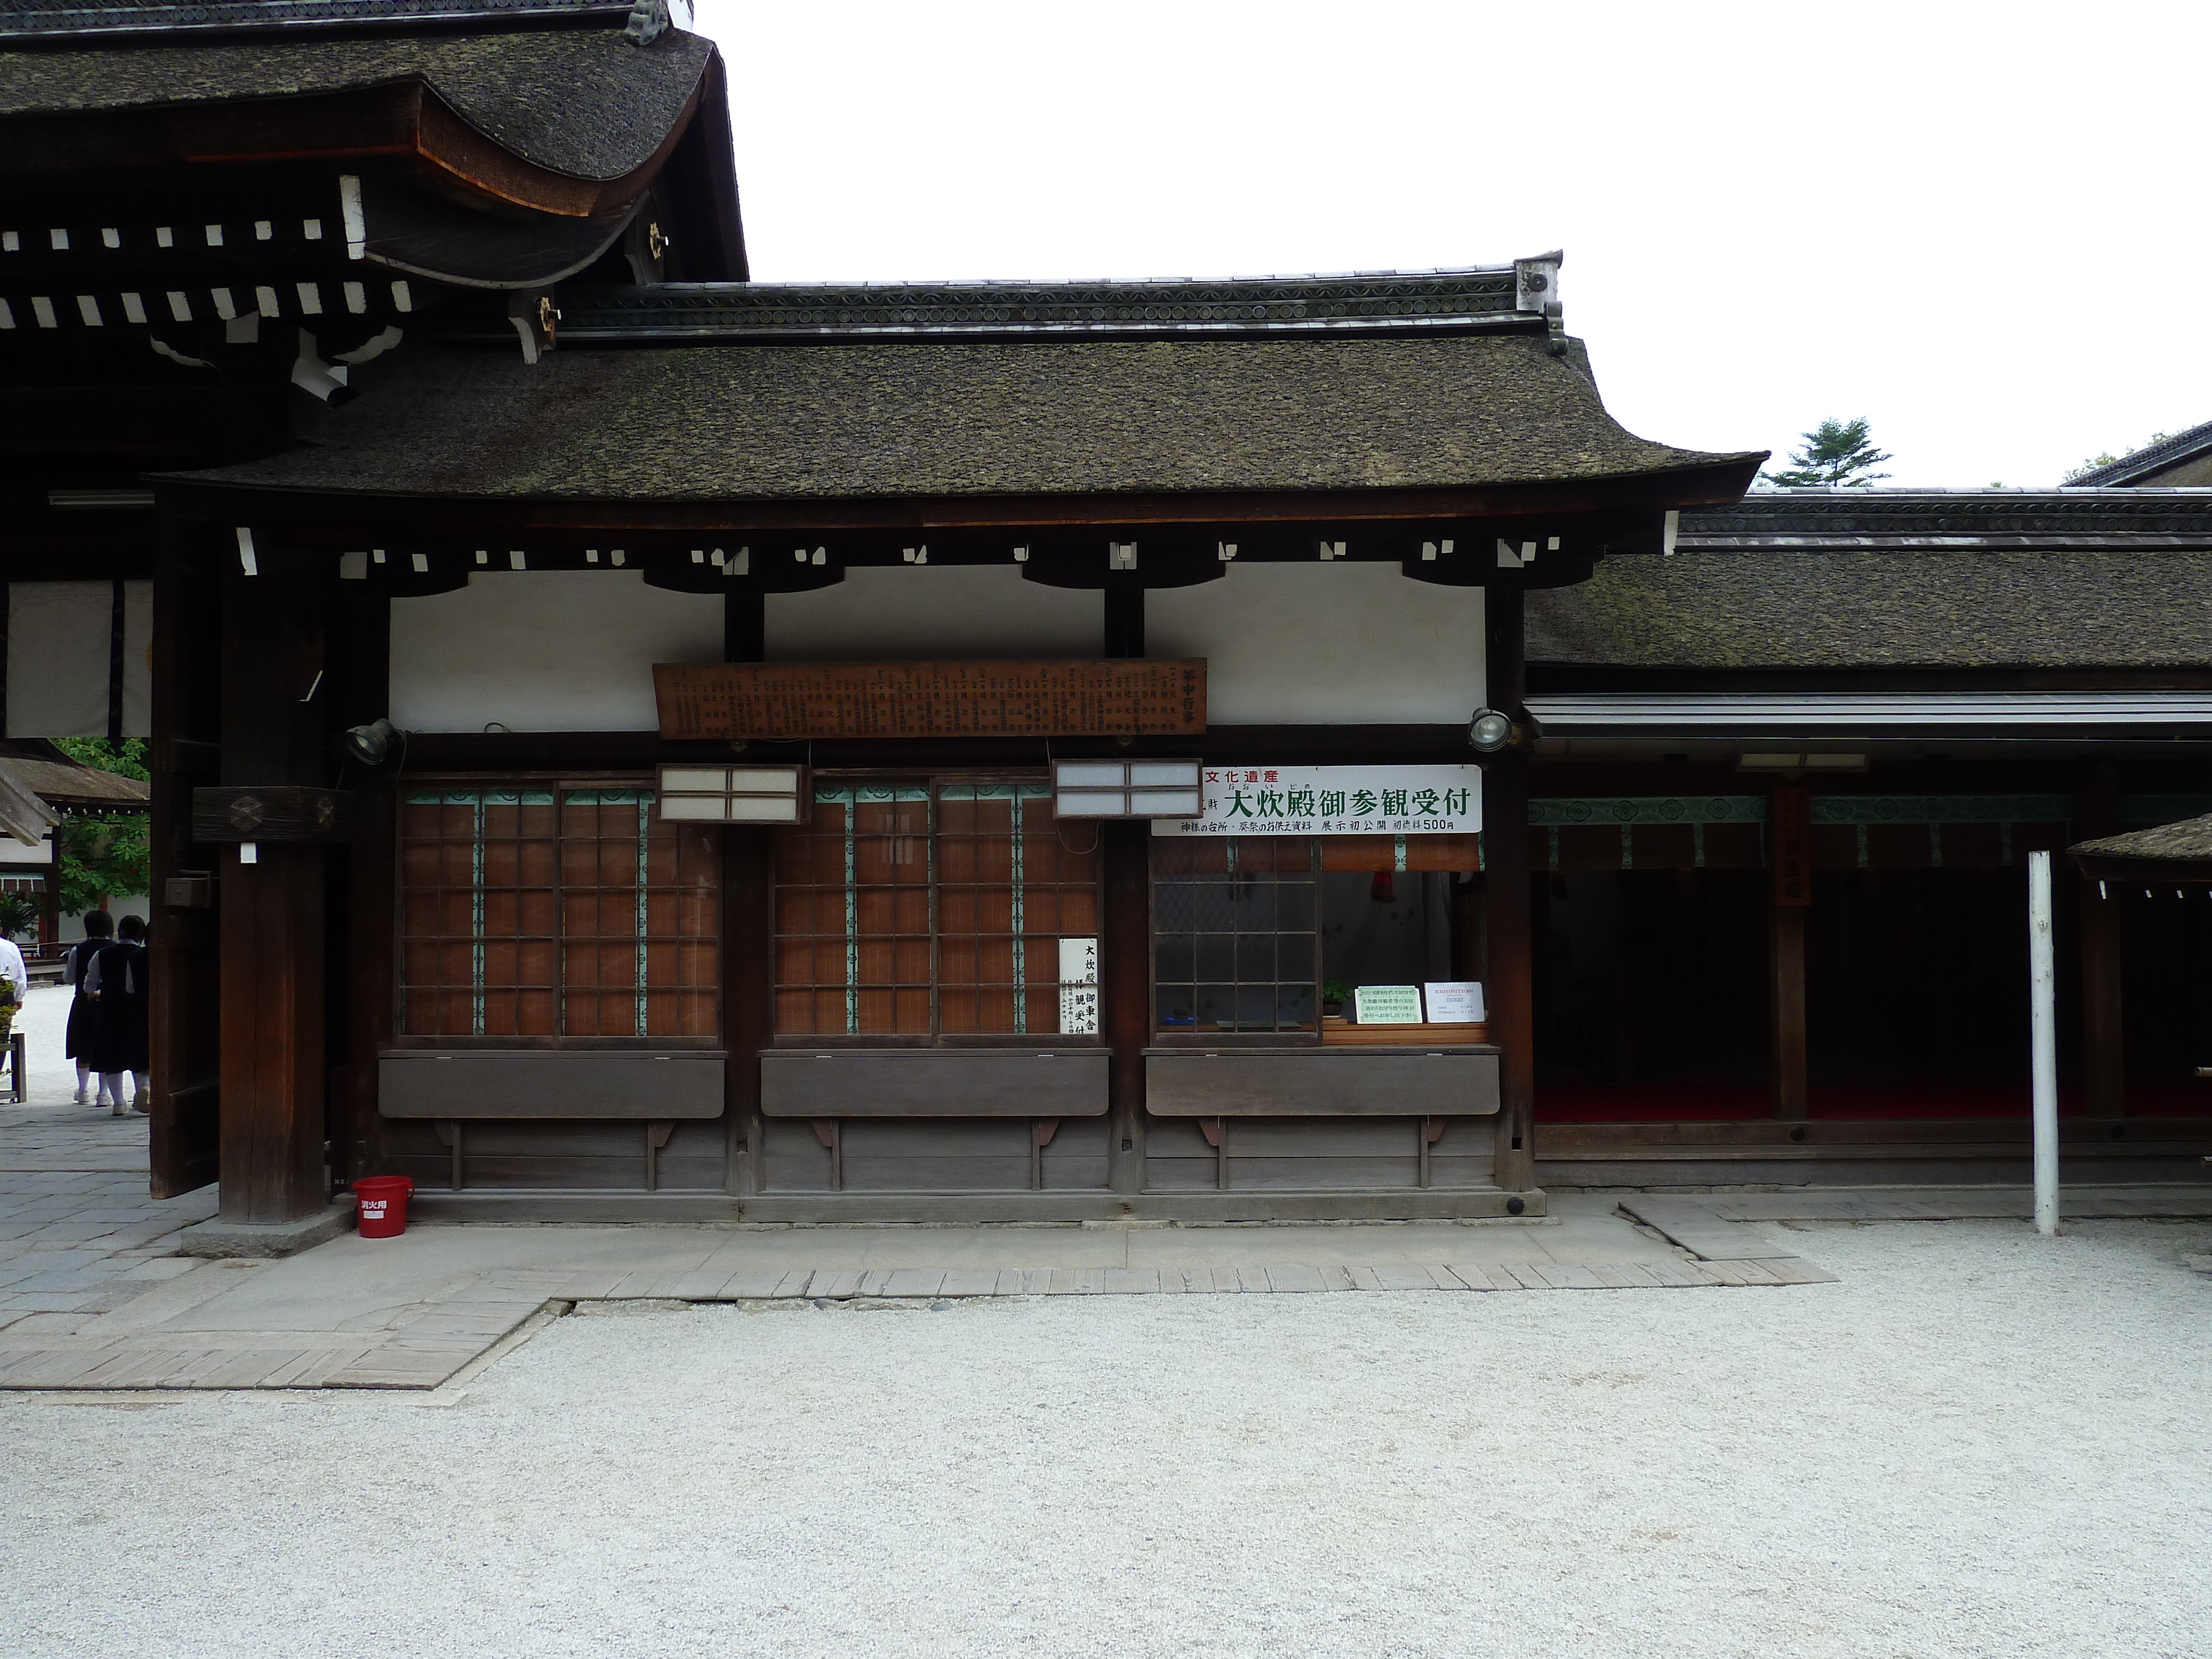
1051,416
1897,578
2190,840
582,101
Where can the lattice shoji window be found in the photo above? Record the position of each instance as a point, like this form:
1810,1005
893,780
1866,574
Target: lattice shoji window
1234,936
553,914
940,909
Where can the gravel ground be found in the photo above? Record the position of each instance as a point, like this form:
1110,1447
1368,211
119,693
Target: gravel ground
1980,1443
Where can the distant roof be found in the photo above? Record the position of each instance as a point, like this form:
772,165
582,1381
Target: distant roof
2191,839
2159,859
55,779
38,783
47,18
582,101
1872,578
2153,460
934,416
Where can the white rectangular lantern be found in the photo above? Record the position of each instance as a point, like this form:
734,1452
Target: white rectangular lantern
1124,789
734,794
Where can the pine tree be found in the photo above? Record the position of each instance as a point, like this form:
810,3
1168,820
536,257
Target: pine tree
1836,455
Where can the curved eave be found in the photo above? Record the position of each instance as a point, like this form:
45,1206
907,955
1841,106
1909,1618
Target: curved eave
404,121
1651,492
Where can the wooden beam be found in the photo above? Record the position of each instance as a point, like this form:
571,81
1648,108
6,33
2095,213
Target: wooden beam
1511,976
458,518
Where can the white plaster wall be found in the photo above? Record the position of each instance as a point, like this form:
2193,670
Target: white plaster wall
924,613
544,650
14,853
137,904
58,639
1334,644
137,660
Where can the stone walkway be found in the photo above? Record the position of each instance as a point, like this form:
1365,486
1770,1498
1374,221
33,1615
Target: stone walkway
97,1301
1711,1226
79,1237
92,1297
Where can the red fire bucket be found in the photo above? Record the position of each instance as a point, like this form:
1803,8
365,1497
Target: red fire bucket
383,1203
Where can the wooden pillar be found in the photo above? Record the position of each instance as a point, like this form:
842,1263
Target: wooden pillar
273,1078
748,996
1124,618
2104,1054
274,1046
745,626
1125,934
1125,955
1789,862
1510,989
748,938
368,888
184,971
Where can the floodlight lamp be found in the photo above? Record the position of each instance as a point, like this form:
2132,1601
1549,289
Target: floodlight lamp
1489,731
374,744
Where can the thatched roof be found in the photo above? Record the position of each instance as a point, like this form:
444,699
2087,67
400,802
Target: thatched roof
580,102
932,418
1900,579
2189,841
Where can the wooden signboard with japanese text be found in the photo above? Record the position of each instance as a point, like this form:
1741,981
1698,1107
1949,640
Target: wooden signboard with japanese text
1110,698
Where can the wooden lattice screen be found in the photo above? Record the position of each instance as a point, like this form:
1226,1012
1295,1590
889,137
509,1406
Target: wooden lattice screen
556,913
929,910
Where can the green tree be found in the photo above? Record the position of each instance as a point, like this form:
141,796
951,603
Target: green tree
129,758
2096,461
18,913
1835,455
103,856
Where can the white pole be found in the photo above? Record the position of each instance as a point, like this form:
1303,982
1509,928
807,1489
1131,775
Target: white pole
2044,1026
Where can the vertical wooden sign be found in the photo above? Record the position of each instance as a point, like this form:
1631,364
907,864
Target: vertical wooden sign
1790,844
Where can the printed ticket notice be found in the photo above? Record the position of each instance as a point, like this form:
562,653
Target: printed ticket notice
1335,800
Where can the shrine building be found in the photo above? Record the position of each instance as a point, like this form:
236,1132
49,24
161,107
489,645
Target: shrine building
632,741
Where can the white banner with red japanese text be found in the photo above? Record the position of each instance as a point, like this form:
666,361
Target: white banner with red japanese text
1335,800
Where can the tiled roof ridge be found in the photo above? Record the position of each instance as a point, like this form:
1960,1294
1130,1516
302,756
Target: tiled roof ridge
1476,295
90,22
1841,515
2152,457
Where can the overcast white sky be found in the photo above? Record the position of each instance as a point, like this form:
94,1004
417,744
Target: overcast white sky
1982,226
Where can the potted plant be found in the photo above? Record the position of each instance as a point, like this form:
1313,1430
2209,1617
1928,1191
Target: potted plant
1334,993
